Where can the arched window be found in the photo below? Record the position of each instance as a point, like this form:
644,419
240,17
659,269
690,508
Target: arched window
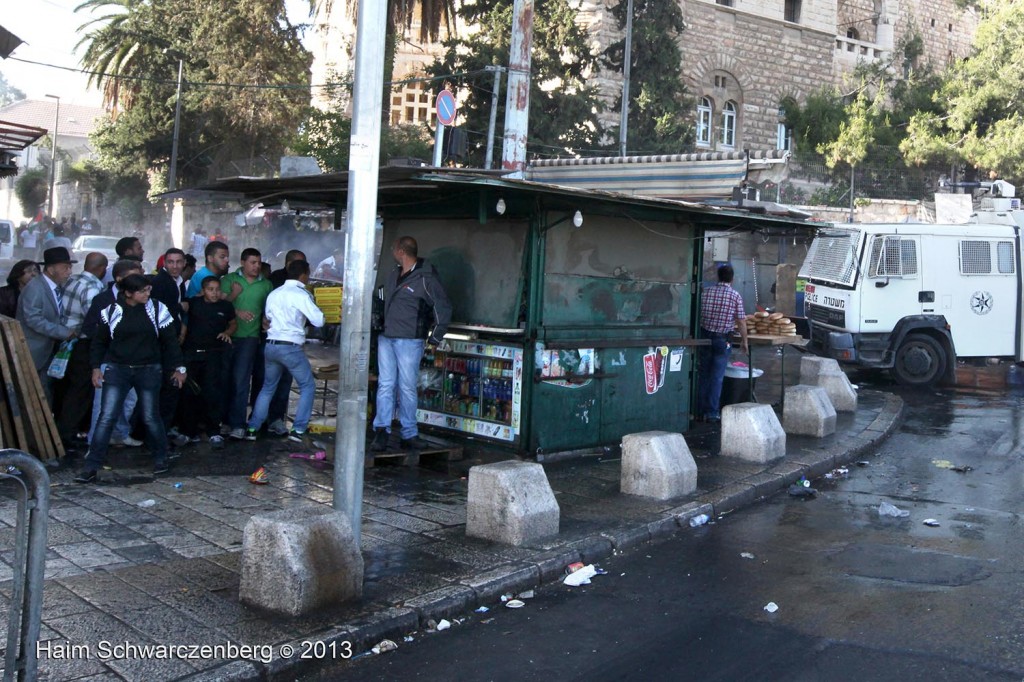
704,122
729,124
852,34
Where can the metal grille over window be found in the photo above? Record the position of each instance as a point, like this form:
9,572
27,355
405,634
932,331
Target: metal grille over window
975,258
833,256
908,257
1004,258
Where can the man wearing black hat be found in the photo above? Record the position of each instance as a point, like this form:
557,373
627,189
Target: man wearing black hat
42,314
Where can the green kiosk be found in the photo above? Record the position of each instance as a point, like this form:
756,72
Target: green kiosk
575,311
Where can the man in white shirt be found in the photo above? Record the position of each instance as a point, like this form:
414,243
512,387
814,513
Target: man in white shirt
288,310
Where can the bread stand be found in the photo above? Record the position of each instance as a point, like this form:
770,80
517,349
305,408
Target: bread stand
770,340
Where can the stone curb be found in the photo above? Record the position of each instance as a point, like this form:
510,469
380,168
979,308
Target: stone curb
451,600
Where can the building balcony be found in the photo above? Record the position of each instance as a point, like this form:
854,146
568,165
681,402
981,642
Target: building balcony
852,51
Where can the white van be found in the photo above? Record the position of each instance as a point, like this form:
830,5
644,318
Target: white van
912,298
7,239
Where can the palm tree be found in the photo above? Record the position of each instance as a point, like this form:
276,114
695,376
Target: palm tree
121,46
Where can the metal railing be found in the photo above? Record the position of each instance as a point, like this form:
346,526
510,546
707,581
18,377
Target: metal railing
33,484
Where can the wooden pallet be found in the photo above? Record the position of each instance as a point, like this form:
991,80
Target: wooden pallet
26,422
445,452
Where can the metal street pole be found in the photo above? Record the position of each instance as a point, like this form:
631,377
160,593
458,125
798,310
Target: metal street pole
172,181
517,97
361,233
489,158
438,144
852,169
626,67
53,155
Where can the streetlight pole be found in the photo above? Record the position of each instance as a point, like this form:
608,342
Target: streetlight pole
53,155
172,182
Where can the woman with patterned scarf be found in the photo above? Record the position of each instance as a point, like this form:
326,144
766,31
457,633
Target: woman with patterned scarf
136,340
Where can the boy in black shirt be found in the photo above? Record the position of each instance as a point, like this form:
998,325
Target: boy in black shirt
211,322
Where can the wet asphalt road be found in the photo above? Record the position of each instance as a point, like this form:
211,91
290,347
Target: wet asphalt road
860,597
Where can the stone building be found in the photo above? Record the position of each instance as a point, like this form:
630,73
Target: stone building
742,59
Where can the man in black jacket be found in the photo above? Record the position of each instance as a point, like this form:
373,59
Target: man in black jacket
416,308
169,289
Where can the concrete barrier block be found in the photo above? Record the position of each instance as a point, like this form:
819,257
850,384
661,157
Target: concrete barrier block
752,432
811,366
840,391
808,412
298,560
657,464
511,502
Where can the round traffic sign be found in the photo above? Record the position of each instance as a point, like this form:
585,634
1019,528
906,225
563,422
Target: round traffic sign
445,106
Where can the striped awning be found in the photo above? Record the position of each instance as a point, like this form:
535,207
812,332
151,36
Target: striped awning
694,177
15,136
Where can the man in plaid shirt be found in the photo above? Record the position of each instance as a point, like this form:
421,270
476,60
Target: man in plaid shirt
721,311
75,389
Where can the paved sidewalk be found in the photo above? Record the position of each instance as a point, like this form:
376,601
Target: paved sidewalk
122,570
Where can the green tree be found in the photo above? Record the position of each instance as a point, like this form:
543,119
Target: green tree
563,104
247,78
32,188
981,101
660,111
325,136
8,93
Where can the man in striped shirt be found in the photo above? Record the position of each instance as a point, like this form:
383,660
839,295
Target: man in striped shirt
721,311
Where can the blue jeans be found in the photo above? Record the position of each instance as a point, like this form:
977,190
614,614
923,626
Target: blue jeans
281,358
243,360
279,403
117,381
713,360
123,427
398,364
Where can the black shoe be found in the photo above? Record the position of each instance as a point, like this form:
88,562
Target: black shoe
414,443
161,468
87,476
380,440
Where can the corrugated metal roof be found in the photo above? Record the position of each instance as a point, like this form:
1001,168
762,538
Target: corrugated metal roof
76,120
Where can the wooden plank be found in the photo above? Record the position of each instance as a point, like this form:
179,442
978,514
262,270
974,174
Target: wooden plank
27,381
17,438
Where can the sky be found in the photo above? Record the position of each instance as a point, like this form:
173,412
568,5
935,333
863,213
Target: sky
50,31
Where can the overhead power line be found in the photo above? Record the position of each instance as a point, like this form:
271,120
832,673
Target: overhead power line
251,86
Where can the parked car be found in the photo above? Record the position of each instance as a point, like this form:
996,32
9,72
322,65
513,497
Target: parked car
88,243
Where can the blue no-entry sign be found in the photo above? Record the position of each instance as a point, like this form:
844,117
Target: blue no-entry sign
445,106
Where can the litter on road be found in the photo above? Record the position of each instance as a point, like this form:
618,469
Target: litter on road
699,520
482,609
146,504
385,646
515,604
887,509
746,555
528,594
931,522
581,576
443,624
799,490
771,607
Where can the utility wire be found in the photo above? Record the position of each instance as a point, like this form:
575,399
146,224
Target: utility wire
283,86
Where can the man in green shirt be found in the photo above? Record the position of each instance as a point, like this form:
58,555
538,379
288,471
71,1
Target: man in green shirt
247,290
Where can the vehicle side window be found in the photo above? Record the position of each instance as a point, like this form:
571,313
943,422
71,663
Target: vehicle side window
893,257
975,258
1004,258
